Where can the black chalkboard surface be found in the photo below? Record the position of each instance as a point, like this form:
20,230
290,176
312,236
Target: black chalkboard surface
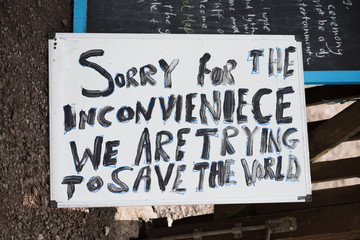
329,28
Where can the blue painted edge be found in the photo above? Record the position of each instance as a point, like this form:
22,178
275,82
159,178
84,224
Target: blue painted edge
332,77
80,8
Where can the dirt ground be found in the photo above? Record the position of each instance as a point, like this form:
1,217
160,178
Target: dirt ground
24,139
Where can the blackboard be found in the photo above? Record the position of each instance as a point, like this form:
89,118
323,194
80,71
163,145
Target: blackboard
151,119
329,28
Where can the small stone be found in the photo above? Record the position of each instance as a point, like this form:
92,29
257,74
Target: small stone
40,237
12,131
67,232
64,22
107,230
53,231
34,190
39,4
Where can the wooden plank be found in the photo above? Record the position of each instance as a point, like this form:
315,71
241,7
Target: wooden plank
333,170
312,125
334,131
333,236
195,219
314,221
321,94
320,198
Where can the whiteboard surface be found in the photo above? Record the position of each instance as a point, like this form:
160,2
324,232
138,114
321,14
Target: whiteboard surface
69,76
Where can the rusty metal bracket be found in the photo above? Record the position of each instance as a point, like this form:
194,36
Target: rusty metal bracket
197,234
237,231
281,225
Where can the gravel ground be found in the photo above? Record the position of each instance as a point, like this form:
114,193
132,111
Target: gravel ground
24,139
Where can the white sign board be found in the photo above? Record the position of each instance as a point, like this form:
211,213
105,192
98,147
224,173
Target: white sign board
180,119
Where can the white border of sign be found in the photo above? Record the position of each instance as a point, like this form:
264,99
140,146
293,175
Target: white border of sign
67,79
